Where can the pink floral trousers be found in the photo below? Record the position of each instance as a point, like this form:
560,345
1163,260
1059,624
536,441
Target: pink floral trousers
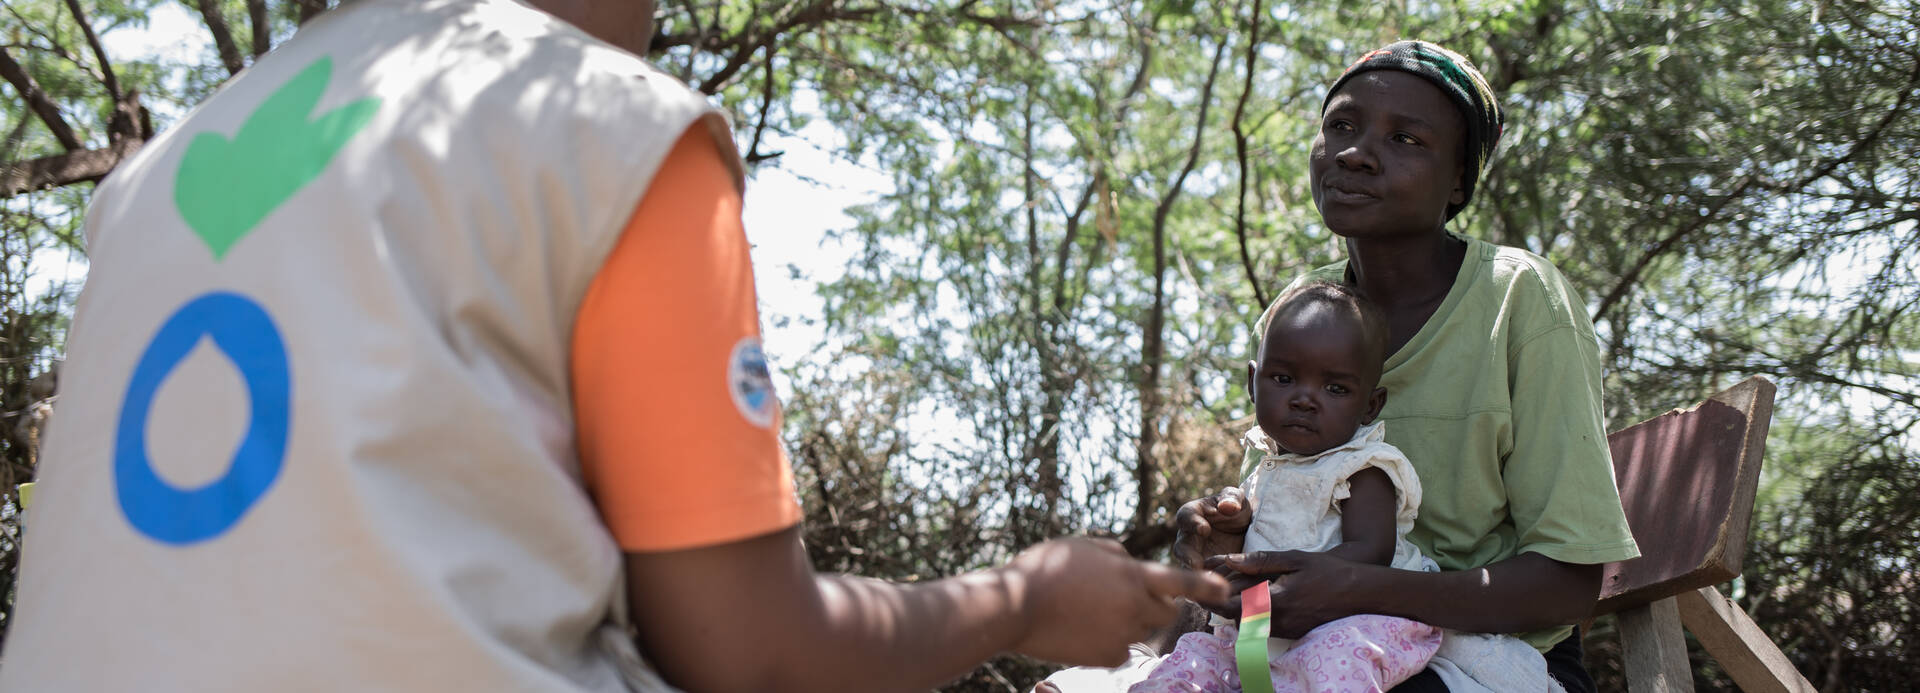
1357,653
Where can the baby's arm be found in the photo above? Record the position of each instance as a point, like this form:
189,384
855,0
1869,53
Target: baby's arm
1367,518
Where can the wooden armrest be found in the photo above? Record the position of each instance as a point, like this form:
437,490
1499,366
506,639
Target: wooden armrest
1745,652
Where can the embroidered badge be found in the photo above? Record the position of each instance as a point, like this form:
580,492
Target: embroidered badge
750,383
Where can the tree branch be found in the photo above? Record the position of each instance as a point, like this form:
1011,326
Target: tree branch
1099,159
310,9
1240,154
38,101
64,169
747,43
1879,129
222,36
262,26
53,44
14,135
1632,275
704,39
766,104
107,78
742,46
1153,346
1063,251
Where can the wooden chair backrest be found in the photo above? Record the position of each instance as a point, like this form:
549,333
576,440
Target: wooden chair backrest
1687,479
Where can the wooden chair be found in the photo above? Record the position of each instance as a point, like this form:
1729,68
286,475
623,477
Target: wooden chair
1687,479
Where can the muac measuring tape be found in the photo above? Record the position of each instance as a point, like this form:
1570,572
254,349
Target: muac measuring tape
1250,648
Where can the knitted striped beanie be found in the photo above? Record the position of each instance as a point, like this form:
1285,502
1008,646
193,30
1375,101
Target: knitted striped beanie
1458,79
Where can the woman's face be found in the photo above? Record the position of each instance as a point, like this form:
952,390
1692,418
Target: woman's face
1387,159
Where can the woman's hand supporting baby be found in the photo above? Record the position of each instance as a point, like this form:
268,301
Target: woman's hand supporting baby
1525,592
1309,588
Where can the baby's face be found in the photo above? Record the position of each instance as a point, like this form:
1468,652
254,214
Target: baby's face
1316,380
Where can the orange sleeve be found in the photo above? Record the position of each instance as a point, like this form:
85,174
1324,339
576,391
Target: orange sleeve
676,416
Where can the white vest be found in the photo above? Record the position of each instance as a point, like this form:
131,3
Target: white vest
315,429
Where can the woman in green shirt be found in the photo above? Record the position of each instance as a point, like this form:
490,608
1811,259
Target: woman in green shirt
1494,375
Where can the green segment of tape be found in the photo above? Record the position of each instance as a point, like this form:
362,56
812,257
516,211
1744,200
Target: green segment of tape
1250,649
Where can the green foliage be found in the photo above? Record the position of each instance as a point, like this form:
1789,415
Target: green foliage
1041,328
1721,180
1843,558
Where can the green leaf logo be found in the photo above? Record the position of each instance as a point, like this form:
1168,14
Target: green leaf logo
226,186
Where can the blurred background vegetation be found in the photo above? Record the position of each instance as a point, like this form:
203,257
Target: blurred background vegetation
1038,329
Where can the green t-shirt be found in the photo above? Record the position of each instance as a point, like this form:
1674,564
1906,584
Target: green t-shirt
1496,401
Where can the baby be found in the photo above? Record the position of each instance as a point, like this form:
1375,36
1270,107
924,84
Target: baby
1328,482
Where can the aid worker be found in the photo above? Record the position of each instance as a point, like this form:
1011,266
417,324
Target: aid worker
424,356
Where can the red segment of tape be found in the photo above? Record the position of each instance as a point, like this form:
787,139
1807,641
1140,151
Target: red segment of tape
1256,600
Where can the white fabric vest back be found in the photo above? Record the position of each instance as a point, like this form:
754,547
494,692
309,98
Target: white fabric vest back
315,428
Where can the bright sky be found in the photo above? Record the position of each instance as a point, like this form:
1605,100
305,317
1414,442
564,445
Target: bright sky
789,210
790,206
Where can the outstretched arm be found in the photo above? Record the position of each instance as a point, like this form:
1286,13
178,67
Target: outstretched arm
721,591
1526,592
752,615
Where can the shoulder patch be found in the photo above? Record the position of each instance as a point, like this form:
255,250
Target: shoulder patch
750,383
